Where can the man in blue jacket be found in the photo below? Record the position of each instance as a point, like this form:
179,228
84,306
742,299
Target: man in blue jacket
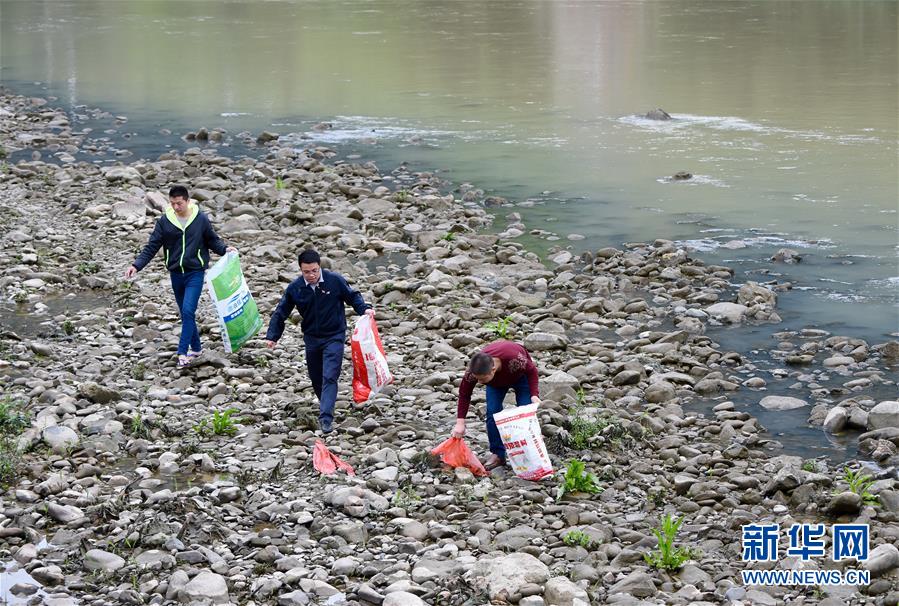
319,295
186,236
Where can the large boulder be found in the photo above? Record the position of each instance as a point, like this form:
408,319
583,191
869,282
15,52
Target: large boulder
732,313
506,575
544,341
885,414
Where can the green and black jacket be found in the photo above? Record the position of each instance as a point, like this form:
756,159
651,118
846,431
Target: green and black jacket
186,249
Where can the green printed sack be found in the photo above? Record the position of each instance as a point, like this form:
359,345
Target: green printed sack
236,309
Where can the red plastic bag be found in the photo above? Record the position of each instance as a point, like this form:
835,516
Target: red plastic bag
456,453
370,372
326,462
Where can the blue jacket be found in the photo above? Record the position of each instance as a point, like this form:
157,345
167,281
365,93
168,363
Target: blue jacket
322,310
185,248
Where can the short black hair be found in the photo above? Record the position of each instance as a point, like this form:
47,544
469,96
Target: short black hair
309,256
480,364
179,191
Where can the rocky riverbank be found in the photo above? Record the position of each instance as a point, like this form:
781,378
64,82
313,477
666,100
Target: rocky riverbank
124,492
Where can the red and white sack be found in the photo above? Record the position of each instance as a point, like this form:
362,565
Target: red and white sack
370,372
526,453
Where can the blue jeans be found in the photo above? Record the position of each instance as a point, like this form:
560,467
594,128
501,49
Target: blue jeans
324,355
495,397
187,288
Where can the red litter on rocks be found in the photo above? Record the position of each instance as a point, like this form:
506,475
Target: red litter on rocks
325,462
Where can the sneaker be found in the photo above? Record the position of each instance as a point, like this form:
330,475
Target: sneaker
184,361
494,461
326,426
194,354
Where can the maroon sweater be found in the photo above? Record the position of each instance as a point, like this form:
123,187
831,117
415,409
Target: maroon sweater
515,363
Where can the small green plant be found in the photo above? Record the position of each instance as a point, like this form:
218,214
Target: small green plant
578,538
501,327
279,183
666,556
221,424
577,479
406,497
68,328
859,484
658,497
13,421
449,236
261,361
138,371
139,427
402,196
88,267
3,153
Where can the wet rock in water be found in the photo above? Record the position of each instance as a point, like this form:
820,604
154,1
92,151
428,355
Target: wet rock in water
732,313
267,137
682,175
657,114
885,414
836,420
786,255
781,403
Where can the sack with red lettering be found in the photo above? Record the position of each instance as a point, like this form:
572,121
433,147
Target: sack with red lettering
526,453
370,372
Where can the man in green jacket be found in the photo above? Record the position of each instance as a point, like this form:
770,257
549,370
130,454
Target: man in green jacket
186,236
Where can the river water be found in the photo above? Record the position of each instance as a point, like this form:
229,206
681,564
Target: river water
785,113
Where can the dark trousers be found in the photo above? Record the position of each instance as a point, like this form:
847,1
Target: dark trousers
324,355
187,288
495,397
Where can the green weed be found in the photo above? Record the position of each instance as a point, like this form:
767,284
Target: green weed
500,328
279,183
859,484
88,267
221,424
139,427
449,236
402,196
666,556
68,328
13,421
138,371
577,538
577,479
406,497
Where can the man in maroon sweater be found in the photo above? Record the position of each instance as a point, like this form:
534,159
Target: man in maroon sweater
500,366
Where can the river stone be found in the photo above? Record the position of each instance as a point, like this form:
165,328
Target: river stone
154,559
402,598
660,391
544,341
59,437
97,559
786,255
838,361
753,293
656,114
885,414
122,173
98,393
836,419
205,588
293,598
638,584
357,502
881,560
64,513
844,503
732,313
781,403
129,210
516,538
509,573
559,591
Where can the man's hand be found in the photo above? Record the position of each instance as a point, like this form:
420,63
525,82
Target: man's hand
459,429
230,249
130,272
270,344
535,400
370,312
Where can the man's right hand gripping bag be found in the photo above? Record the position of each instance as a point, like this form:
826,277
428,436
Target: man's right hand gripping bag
519,430
370,372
